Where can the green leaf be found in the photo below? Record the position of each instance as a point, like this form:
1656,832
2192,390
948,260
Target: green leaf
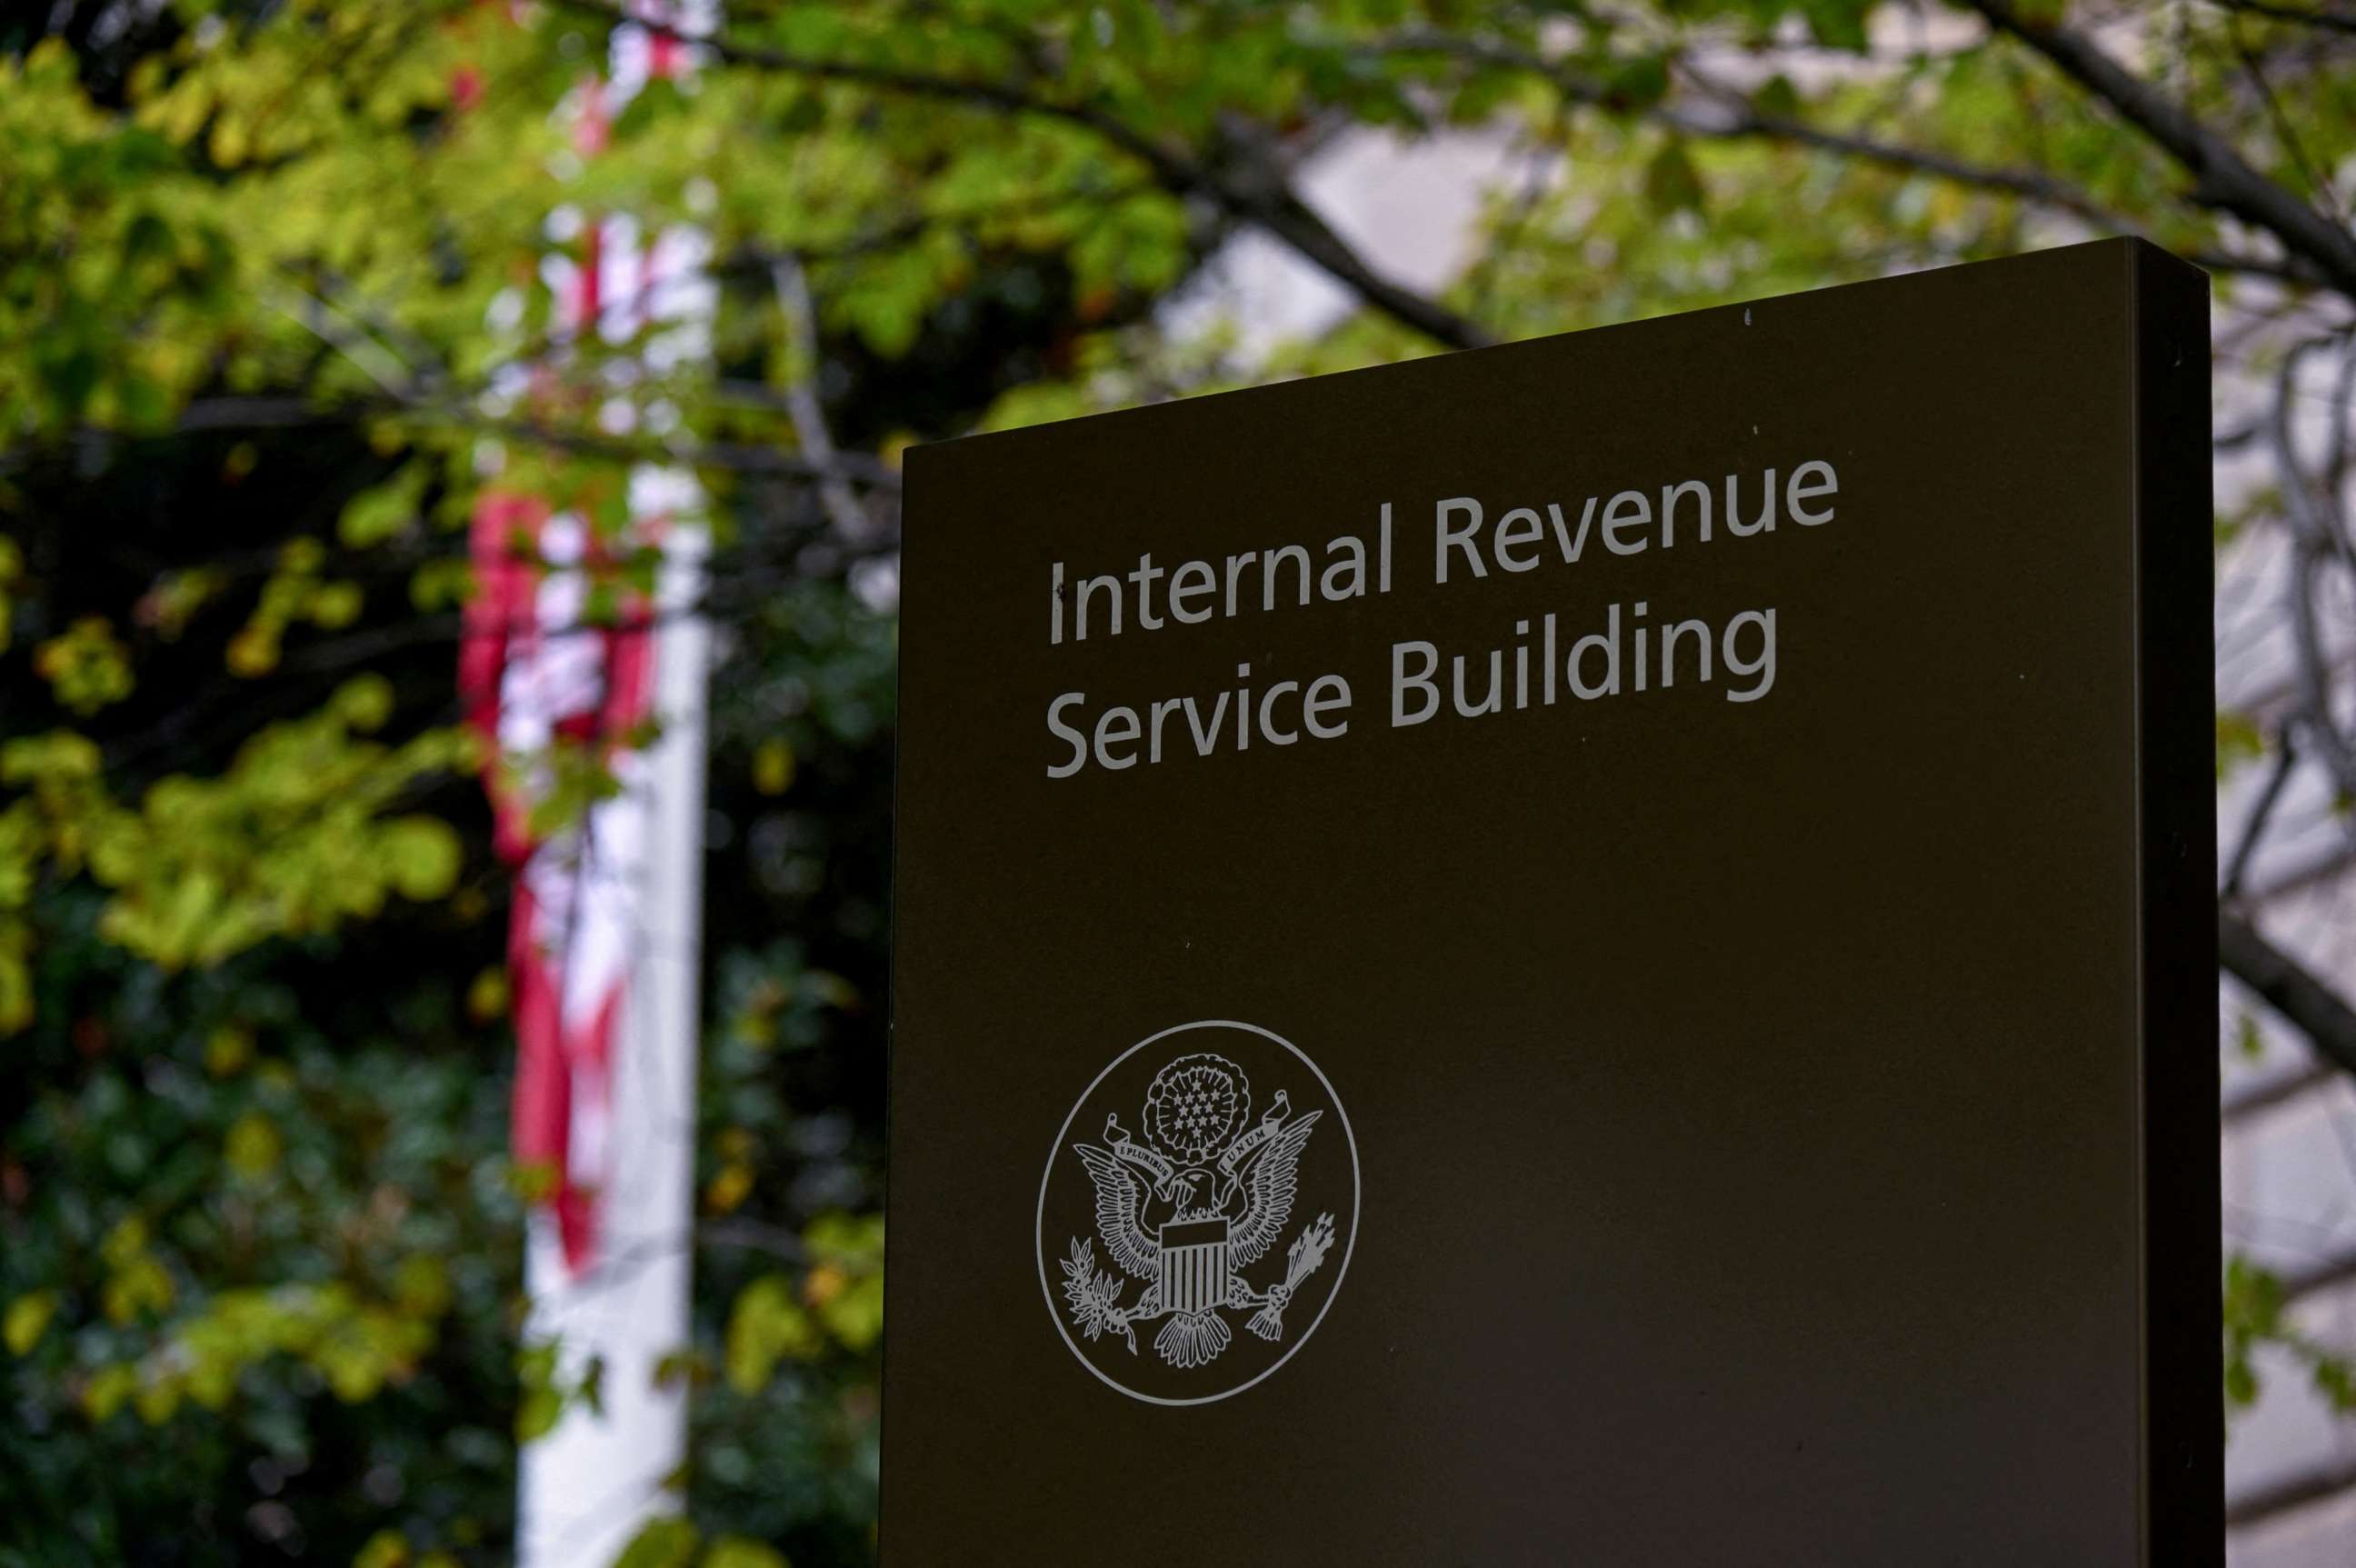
376,515
1672,183
424,857
27,1319
385,1548
2239,740
541,1405
253,1145
736,1552
228,1050
1637,83
765,1325
1839,23
659,1543
855,1314
773,766
108,1389
2335,1379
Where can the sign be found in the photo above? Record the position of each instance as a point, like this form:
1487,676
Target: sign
1594,951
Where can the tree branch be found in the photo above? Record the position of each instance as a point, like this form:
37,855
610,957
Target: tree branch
2224,179
752,1235
1745,120
2298,1490
2029,184
1256,194
856,467
230,414
2304,1002
1256,190
2326,18
252,413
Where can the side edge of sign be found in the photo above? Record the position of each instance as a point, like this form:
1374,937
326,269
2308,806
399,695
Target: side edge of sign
2183,1469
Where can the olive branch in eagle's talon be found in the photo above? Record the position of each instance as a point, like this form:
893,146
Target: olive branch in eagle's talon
1095,1296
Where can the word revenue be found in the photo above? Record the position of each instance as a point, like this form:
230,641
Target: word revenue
1539,666
1470,540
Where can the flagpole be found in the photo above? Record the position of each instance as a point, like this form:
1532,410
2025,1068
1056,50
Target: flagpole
608,1268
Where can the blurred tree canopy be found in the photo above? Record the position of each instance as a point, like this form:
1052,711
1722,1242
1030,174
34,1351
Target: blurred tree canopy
267,269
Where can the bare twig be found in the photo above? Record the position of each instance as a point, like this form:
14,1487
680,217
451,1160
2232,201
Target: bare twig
801,395
2317,539
397,378
423,390
2336,446
2261,812
2286,131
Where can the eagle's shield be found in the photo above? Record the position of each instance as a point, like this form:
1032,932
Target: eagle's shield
1193,1265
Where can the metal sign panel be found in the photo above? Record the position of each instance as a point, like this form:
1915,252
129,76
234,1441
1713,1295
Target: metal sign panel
1599,951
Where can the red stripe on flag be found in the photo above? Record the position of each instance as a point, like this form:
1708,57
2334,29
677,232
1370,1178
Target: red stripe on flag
509,653
587,292
505,547
542,1110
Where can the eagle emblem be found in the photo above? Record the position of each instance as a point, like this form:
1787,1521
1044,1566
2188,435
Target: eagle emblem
1187,1210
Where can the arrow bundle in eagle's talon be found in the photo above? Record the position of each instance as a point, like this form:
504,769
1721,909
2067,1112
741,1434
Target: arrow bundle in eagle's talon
1307,1251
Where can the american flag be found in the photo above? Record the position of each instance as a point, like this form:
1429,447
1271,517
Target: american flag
550,686
566,672
539,676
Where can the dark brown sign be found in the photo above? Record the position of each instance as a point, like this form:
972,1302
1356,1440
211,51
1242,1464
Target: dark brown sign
1596,952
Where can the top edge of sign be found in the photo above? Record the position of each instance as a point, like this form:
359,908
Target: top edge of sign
2086,254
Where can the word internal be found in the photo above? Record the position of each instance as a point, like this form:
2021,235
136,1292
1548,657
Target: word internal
1194,591
1470,540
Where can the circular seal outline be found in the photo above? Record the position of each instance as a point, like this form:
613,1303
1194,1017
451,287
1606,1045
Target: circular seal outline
1039,1222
